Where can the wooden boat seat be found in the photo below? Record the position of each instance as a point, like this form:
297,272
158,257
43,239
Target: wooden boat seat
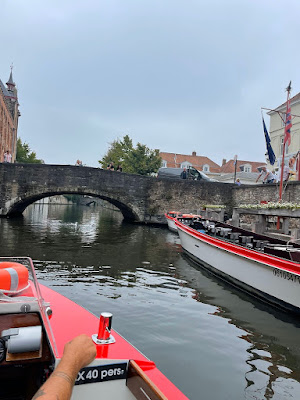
234,235
225,232
259,244
245,239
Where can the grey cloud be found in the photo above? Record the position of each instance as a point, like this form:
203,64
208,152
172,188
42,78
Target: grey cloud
179,76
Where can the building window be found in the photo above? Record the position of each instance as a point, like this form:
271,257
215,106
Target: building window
281,146
205,168
164,164
246,168
185,164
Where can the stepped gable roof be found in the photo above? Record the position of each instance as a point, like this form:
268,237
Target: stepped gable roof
196,161
229,166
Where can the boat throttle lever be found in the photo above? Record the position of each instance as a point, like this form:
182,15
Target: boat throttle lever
104,336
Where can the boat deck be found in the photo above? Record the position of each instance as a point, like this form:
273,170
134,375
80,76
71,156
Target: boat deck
250,240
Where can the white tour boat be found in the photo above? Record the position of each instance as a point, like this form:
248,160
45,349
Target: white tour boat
268,269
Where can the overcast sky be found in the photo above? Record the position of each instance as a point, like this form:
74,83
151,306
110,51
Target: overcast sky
180,76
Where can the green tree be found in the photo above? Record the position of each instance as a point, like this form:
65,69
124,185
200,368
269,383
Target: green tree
117,152
137,160
142,160
25,155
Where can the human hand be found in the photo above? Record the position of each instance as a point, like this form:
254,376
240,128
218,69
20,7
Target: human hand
81,350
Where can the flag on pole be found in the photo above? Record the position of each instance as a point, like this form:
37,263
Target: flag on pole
271,154
288,123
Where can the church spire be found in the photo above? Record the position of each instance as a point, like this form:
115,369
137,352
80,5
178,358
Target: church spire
11,84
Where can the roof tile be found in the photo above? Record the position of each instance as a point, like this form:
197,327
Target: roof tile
174,160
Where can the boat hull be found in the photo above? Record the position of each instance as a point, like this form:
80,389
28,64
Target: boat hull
261,276
69,320
171,224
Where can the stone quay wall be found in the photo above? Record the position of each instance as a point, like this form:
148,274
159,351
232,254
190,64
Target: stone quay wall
185,196
254,194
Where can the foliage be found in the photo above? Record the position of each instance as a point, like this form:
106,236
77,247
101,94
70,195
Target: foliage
142,160
137,160
272,205
25,155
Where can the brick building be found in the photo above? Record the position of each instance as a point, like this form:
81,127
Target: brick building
201,163
246,171
9,115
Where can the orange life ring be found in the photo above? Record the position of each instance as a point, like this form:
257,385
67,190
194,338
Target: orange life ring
13,277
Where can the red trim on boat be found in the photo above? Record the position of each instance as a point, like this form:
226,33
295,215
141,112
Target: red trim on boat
242,251
69,320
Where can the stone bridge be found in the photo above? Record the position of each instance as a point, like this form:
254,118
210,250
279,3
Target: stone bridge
141,199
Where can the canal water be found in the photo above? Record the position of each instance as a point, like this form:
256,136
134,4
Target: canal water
213,341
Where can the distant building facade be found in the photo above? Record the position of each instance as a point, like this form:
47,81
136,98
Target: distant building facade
277,124
201,163
9,116
246,171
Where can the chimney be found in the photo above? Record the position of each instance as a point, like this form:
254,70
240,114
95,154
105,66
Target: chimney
223,161
194,154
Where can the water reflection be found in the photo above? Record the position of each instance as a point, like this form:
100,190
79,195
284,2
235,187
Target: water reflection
213,341
273,336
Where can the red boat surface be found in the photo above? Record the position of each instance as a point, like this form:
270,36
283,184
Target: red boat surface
119,371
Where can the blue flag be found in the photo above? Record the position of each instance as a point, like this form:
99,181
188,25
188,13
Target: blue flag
271,154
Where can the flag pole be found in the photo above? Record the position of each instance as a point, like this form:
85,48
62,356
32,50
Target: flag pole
288,89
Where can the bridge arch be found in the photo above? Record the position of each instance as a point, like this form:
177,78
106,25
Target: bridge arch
18,206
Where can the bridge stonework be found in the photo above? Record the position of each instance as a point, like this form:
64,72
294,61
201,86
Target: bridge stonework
140,199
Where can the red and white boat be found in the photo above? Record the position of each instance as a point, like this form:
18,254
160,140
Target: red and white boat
35,324
265,267
171,216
